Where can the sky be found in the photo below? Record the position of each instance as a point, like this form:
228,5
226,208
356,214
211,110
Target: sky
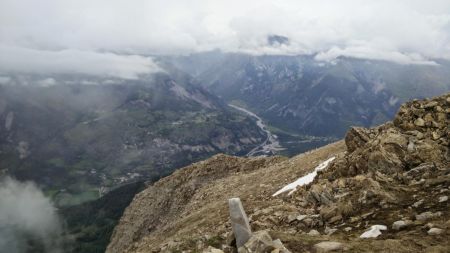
76,35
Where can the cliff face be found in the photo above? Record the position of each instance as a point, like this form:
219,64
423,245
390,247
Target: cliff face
396,175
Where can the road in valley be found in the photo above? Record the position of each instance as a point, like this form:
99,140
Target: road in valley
270,145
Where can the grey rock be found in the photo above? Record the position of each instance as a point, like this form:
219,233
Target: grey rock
419,122
427,216
435,231
430,104
418,203
313,232
280,247
239,222
411,147
443,199
213,250
323,247
330,231
259,242
401,224
301,217
292,217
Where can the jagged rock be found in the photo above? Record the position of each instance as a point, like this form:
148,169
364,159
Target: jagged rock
324,247
435,231
261,242
356,137
292,217
401,224
239,222
280,248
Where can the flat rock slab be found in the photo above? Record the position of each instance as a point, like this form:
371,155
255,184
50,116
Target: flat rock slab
239,222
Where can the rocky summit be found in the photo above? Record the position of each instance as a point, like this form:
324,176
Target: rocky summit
386,190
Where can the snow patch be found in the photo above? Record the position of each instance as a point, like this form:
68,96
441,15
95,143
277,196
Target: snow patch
373,232
305,180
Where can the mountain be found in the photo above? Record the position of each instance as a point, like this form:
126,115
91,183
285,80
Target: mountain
80,136
303,96
389,182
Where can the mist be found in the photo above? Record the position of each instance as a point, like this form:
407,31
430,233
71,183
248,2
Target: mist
28,219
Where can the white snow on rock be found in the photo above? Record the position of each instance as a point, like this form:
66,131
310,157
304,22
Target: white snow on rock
373,232
307,179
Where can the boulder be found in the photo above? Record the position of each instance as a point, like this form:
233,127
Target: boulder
239,222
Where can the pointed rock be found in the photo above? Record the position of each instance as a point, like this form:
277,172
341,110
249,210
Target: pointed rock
239,222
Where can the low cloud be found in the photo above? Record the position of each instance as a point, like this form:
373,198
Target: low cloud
28,220
73,61
364,52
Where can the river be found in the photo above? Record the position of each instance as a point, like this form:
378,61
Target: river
270,145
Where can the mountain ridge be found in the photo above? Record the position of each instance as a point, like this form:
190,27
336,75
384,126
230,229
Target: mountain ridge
383,175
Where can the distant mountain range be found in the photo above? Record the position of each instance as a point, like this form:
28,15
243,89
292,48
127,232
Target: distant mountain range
301,95
80,136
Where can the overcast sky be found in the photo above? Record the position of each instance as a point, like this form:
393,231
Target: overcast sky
49,35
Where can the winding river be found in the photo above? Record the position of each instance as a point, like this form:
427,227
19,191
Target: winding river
270,145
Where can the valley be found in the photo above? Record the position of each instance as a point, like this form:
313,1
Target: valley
271,145
80,141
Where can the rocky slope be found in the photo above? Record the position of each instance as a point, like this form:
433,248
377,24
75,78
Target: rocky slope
396,175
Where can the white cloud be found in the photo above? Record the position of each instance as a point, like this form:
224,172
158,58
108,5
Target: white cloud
17,59
404,31
26,213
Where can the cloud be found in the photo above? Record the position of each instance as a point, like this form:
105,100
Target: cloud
404,31
26,215
17,59
373,54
